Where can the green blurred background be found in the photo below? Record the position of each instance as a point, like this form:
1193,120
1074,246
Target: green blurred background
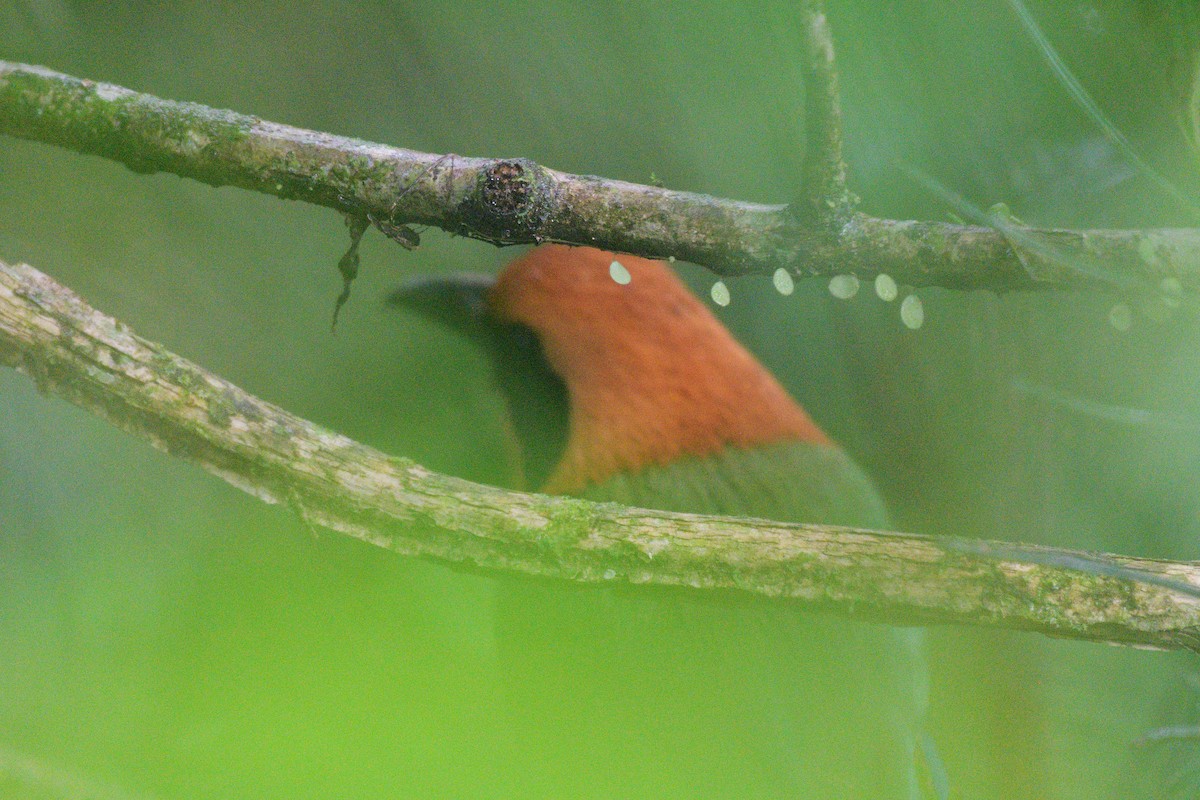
163,635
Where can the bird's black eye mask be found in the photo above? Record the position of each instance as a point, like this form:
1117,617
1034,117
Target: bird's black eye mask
535,395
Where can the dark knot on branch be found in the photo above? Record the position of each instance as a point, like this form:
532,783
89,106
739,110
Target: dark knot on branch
513,199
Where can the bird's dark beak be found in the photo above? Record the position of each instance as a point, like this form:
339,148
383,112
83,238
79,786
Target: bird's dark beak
457,301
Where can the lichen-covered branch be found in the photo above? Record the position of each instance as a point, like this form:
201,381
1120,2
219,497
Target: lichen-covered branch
508,201
96,362
824,197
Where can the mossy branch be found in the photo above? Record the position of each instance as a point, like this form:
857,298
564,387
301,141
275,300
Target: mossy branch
75,352
511,201
825,198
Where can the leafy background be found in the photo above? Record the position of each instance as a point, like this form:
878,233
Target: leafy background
163,635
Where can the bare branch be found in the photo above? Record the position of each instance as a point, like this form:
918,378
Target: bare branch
509,201
96,362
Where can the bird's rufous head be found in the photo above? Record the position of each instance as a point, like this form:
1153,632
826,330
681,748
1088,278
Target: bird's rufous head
651,374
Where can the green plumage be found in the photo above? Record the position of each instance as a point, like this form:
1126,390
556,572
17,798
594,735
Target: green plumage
789,481
640,693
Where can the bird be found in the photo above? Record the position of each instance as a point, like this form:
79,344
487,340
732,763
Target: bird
622,386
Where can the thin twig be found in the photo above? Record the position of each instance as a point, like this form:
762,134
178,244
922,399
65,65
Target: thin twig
824,197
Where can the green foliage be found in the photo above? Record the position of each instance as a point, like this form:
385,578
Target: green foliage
161,633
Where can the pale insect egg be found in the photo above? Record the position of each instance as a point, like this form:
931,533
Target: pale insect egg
720,293
912,312
885,287
843,287
783,282
617,271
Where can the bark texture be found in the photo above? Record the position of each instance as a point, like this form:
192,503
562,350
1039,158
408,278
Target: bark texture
75,352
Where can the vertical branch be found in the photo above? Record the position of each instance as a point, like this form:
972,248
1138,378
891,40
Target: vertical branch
824,197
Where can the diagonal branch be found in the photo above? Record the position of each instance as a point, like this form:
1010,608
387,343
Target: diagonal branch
509,201
96,362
